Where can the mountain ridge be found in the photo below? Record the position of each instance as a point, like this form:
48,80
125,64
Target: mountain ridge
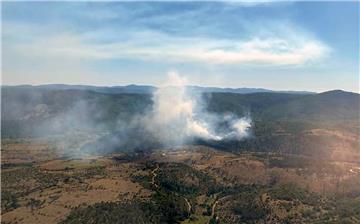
133,88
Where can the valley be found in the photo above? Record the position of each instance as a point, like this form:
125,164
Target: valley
80,156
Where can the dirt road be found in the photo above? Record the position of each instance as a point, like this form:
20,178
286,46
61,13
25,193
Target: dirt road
154,174
215,204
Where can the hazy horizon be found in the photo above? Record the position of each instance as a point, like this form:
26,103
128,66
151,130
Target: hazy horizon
201,86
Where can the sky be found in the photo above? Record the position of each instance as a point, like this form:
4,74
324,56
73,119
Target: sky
311,46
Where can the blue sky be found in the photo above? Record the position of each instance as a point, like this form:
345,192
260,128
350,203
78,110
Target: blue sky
276,45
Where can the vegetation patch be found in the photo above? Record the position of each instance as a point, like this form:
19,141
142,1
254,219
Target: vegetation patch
8,201
186,180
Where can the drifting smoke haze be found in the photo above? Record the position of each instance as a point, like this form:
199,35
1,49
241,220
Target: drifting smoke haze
179,115
86,121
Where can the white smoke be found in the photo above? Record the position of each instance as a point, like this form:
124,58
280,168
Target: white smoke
179,115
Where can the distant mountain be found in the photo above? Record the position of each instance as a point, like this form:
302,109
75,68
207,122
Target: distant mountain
24,103
324,124
332,106
243,90
143,89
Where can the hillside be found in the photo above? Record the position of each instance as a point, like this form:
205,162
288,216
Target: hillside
146,89
332,106
318,124
81,156
183,185
325,124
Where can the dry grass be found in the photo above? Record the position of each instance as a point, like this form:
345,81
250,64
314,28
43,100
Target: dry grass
55,202
24,151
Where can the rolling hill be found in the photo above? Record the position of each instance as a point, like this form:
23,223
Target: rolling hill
317,124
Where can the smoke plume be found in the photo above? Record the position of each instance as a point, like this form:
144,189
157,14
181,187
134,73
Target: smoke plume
179,115
82,121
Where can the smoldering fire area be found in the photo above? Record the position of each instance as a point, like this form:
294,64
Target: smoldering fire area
176,116
179,115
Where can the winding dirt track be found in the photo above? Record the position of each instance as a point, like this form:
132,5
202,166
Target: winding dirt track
188,204
215,204
154,174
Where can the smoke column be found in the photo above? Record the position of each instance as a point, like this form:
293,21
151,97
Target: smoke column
179,115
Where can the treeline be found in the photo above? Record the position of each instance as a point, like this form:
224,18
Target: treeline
162,208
